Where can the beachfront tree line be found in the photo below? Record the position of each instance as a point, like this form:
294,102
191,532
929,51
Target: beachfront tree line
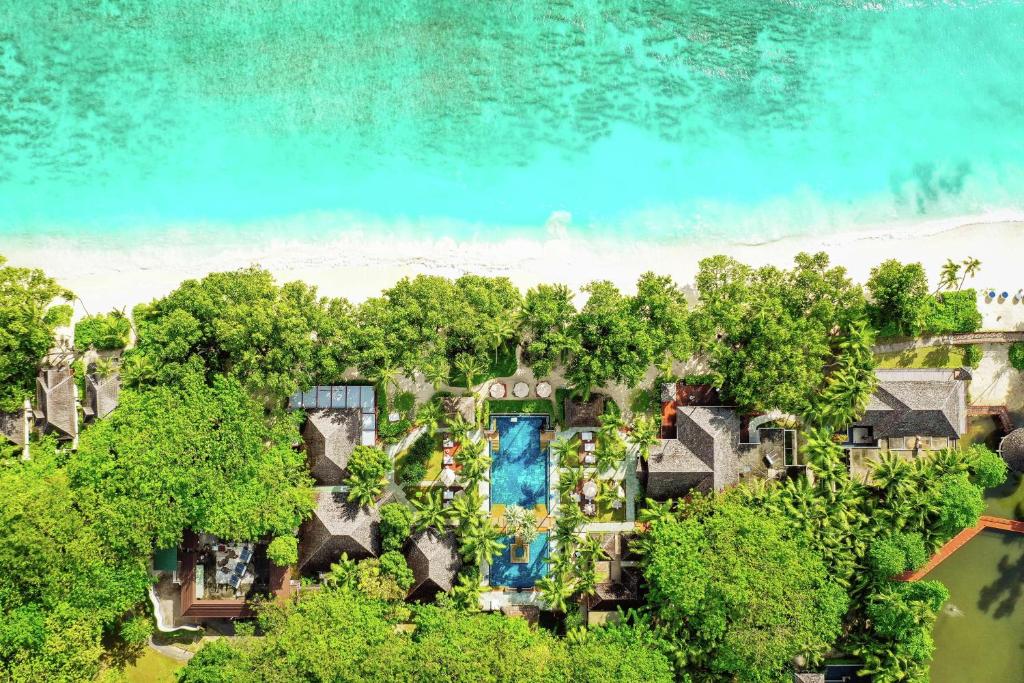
202,441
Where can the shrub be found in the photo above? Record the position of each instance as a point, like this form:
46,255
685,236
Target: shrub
105,332
952,312
283,551
411,473
137,630
988,467
712,378
395,525
889,557
897,291
393,564
1017,355
405,402
972,355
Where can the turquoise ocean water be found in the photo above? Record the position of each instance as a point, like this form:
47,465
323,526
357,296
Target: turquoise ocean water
647,118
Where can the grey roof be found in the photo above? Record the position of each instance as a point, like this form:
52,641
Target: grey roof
102,395
808,677
668,392
584,413
331,434
434,559
703,456
917,403
13,426
338,526
55,399
1012,449
459,405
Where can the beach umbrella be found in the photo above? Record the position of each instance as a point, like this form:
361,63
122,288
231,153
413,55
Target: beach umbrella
447,476
590,489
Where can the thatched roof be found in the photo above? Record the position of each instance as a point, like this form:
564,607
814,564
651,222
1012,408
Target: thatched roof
1012,449
808,677
584,413
101,395
56,404
703,456
337,526
331,434
917,403
464,406
434,559
14,427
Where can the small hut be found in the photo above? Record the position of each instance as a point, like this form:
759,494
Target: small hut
434,560
338,526
1012,449
331,434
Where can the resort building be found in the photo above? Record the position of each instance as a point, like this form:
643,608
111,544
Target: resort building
703,456
620,581
1011,447
337,526
582,414
911,411
101,395
15,426
339,418
56,410
434,560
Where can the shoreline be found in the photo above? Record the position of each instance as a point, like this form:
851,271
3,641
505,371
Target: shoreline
358,266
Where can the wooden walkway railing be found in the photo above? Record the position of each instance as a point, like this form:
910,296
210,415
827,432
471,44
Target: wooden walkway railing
999,413
960,539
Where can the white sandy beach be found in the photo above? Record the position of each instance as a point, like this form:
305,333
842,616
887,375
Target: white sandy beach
356,266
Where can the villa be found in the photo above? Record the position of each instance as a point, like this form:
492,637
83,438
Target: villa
911,410
434,560
702,457
101,395
15,426
1011,447
56,403
337,526
619,587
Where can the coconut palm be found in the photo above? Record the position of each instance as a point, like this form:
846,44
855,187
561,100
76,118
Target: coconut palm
499,330
429,415
480,541
385,374
611,425
653,511
569,520
466,509
644,434
364,491
566,451
568,480
591,549
470,366
555,592
342,573
970,269
824,457
436,369
890,473
609,454
474,459
949,275
466,593
430,512
521,523
460,428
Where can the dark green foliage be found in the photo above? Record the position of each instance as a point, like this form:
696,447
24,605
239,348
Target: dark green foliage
772,334
393,564
284,551
190,456
898,293
711,378
405,402
1016,354
548,315
988,467
367,468
898,645
387,431
136,630
105,332
891,556
28,319
951,312
962,504
395,525
414,465
739,595
274,339
972,355
536,406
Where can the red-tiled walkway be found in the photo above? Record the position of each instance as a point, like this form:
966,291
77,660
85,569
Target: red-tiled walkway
960,539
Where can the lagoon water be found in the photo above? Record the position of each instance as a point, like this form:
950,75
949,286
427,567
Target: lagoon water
708,119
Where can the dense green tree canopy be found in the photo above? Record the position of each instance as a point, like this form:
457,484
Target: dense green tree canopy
774,334
548,314
193,456
105,332
61,586
898,293
741,597
29,315
241,323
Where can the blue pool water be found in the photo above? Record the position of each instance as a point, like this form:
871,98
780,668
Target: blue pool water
519,471
504,573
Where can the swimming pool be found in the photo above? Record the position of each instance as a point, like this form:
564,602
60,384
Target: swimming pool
519,476
519,469
520,575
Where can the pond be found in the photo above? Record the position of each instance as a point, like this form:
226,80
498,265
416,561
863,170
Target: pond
980,634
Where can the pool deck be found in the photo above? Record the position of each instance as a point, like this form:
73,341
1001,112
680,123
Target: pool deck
961,539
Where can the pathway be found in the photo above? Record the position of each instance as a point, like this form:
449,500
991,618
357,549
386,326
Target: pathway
951,340
958,541
172,651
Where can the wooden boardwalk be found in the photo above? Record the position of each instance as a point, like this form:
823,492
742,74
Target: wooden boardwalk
999,413
960,539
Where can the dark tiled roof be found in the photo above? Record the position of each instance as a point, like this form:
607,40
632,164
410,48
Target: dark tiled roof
434,559
12,426
703,455
55,399
917,403
1012,449
101,395
584,414
336,527
331,434
459,405
807,677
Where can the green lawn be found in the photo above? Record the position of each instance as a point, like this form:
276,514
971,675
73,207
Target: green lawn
152,667
434,464
924,357
504,366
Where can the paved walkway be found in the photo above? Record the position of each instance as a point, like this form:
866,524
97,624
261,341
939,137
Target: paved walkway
951,340
172,651
961,539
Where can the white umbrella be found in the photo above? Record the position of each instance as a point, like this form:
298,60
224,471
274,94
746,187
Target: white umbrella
543,390
497,390
520,390
447,476
590,489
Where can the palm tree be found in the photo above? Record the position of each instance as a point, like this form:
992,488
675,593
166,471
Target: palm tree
890,473
465,509
466,593
429,415
949,275
644,434
364,491
480,541
470,366
386,374
459,428
436,369
569,479
555,592
971,266
608,455
591,549
430,511
825,457
566,451
474,460
342,573
499,330
654,511
611,425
